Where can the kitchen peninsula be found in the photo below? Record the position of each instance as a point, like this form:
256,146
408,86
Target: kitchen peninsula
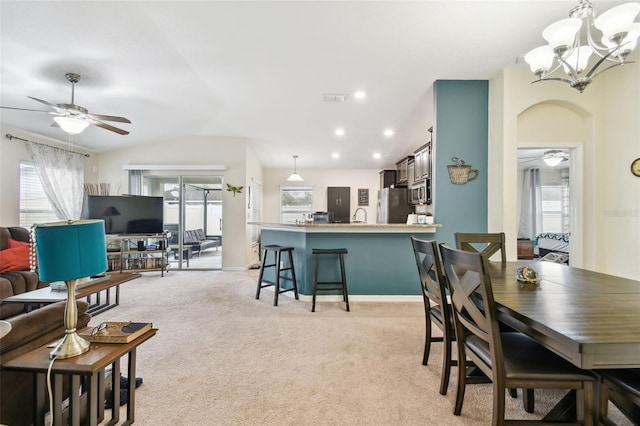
380,260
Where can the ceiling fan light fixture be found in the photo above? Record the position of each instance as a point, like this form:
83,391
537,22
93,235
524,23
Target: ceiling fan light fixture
295,177
71,125
553,161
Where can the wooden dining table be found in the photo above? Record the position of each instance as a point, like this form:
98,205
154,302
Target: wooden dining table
591,319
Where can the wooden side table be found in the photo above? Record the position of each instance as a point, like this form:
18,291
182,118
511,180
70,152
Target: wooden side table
525,249
88,368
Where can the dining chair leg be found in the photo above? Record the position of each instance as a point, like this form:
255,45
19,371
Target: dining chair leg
427,339
462,376
497,417
446,365
527,400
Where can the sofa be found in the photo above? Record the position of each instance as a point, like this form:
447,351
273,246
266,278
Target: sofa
29,331
196,238
15,275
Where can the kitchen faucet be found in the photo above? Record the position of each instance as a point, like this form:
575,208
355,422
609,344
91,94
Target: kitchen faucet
353,218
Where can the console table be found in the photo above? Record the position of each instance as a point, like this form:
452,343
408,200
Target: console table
86,372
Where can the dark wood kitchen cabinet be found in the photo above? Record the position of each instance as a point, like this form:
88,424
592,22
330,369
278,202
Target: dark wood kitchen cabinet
387,178
402,171
422,159
338,203
422,162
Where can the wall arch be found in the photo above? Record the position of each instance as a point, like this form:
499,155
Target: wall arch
561,124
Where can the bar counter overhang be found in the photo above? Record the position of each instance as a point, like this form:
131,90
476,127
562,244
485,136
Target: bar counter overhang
380,263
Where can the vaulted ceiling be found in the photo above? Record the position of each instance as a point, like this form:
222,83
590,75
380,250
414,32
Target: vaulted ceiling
259,69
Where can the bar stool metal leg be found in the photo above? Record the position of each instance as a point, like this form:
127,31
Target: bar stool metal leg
293,274
276,289
262,266
345,293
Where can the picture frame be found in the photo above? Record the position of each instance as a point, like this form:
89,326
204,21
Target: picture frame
363,197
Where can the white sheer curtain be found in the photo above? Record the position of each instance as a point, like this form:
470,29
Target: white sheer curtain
135,182
62,175
531,208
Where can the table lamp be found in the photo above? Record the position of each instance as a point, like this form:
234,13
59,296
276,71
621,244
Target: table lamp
70,251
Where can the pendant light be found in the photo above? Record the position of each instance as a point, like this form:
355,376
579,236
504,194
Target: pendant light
295,177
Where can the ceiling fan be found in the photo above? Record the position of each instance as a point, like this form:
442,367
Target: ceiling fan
552,157
73,118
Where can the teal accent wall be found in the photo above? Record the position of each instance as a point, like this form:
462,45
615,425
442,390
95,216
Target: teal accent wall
460,130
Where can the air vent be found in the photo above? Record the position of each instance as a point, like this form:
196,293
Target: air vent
335,98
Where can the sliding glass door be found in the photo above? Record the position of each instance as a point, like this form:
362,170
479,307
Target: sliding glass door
193,216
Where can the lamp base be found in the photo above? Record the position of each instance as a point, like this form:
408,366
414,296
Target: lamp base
71,345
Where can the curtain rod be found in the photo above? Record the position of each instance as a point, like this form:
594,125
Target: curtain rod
11,137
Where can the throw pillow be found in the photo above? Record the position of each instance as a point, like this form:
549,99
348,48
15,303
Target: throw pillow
15,258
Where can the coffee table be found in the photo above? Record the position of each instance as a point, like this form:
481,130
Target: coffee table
88,368
46,296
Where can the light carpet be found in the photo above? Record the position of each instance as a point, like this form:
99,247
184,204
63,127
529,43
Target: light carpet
221,357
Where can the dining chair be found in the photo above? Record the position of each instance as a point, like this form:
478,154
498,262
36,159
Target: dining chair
494,242
437,309
510,359
622,387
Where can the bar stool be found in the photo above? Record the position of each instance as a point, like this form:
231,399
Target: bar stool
330,285
277,254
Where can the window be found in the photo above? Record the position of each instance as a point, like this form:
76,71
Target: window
296,202
255,189
35,206
555,203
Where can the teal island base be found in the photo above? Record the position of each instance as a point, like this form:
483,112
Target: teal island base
380,261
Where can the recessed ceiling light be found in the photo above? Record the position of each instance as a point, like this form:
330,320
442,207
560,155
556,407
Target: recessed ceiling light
376,155
335,155
360,94
388,132
339,132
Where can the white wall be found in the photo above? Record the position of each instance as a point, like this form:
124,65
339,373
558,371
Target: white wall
320,179
194,151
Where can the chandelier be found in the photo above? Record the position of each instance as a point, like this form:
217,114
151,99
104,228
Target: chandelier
609,38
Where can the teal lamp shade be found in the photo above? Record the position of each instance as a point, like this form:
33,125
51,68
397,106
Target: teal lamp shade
71,250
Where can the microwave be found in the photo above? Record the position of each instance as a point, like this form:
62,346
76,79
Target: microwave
420,192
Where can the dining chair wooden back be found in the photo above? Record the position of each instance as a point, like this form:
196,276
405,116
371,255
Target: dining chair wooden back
436,307
487,243
509,359
622,387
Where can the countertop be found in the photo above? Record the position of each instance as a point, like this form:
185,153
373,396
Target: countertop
355,227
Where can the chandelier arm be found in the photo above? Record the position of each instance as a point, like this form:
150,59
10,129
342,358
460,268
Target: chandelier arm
564,80
608,68
549,72
597,64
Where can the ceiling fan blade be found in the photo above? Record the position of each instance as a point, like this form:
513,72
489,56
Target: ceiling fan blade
107,126
532,159
54,106
27,109
109,118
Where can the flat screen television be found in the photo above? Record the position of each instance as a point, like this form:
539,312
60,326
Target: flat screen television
126,214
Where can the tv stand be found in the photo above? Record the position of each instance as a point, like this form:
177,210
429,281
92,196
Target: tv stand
138,253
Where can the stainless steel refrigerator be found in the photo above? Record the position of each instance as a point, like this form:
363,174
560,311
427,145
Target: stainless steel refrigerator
393,205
